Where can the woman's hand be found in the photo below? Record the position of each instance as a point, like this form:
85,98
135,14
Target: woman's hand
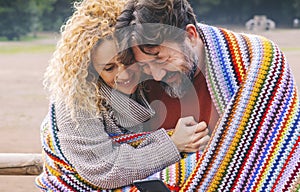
190,136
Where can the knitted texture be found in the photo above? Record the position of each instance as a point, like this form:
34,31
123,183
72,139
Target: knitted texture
60,175
254,146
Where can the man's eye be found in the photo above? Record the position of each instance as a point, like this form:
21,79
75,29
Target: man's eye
150,49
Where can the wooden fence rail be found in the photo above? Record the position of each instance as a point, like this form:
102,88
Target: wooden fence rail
20,164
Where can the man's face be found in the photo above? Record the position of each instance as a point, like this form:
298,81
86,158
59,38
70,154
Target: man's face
173,64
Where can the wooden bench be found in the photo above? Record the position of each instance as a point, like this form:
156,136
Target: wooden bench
20,164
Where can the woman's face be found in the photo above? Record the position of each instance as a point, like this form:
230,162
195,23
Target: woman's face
123,78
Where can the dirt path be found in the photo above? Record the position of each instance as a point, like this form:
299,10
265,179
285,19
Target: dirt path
24,104
23,101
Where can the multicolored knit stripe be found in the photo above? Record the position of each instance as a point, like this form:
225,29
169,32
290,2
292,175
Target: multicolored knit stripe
133,139
255,145
221,76
59,174
176,175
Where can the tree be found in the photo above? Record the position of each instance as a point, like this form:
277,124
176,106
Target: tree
238,12
204,8
53,20
20,17
296,8
37,8
13,22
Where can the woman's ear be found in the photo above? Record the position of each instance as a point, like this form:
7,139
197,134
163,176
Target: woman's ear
192,33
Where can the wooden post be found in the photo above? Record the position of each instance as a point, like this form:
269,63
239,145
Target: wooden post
20,164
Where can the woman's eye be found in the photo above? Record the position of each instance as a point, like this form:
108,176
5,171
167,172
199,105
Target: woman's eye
109,67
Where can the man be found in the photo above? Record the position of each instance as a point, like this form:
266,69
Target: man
256,128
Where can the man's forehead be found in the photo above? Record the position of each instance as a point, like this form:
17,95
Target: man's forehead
151,49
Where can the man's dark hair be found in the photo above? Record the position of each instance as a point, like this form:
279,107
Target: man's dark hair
150,22
177,13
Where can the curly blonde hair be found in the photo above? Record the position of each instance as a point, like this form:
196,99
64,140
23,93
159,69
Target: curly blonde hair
68,77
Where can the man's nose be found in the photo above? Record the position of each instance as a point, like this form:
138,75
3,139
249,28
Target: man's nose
157,73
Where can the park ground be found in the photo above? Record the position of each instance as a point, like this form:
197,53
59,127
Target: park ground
23,102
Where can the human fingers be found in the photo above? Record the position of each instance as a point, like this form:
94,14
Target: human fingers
199,135
196,141
187,121
203,142
200,127
199,144
183,132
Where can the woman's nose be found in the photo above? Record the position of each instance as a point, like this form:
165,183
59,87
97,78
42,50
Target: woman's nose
124,72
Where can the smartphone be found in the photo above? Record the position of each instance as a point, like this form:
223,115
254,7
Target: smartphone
151,185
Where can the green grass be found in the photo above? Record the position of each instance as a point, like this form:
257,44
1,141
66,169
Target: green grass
27,44
28,38
33,48
290,49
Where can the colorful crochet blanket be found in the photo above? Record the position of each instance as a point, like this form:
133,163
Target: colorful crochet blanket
256,143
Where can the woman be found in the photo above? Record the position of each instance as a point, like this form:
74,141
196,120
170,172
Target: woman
91,136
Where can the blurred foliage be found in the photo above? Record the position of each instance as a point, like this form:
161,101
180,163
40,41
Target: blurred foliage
21,17
236,12
61,10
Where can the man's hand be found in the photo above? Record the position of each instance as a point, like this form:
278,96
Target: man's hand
190,136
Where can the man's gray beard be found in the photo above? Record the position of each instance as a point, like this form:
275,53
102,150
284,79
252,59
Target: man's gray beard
179,90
